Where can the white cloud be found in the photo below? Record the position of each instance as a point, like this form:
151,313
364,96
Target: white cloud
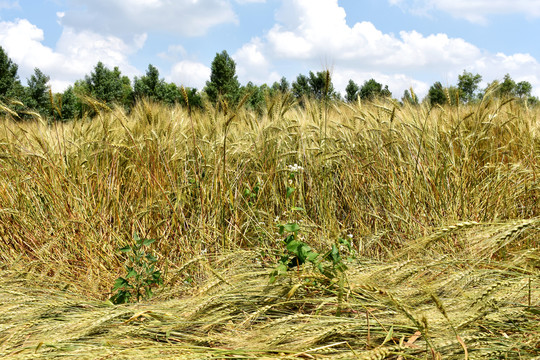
190,74
173,53
472,10
75,55
6,4
125,17
318,28
308,31
250,1
252,65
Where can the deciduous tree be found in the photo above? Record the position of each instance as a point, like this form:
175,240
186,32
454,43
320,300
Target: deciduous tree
223,83
467,85
37,92
436,95
10,86
351,91
109,86
372,89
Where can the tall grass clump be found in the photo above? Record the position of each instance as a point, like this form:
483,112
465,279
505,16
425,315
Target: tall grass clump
211,181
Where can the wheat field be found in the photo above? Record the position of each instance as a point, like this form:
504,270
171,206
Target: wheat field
441,207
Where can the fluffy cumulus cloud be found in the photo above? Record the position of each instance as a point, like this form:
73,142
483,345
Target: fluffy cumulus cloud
252,64
311,31
315,28
190,74
125,17
75,55
473,10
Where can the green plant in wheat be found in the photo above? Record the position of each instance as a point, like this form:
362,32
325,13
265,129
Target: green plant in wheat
297,252
142,274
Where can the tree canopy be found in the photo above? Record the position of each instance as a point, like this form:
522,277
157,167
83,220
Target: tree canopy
372,89
108,85
351,91
9,80
37,92
111,87
467,85
223,83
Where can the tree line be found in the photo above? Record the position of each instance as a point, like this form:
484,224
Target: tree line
110,87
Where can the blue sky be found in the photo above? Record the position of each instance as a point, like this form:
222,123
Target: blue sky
402,43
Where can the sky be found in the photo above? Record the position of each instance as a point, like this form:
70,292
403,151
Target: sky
399,43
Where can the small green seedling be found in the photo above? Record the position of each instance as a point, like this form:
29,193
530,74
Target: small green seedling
141,276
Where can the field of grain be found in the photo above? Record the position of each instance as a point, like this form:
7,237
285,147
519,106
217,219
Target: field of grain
440,207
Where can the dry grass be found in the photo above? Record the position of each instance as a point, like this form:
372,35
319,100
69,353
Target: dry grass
443,206
457,302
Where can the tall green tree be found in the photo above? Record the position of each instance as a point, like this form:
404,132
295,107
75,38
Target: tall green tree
37,92
320,84
467,85
109,86
523,89
507,87
152,87
149,85
436,95
71,106
10,86
351,91
282,86
223,83
371,89
300,87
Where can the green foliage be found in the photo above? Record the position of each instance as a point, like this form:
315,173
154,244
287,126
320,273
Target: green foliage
523,89
436,94
301,88
372,89
351,91
150,86
297,252
142,274
194,98
109,86
315,86
71,106
533,101
320,84
256,100
409,97
453,95
251,194
37,93
223,83
282,86
467,85
9,80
